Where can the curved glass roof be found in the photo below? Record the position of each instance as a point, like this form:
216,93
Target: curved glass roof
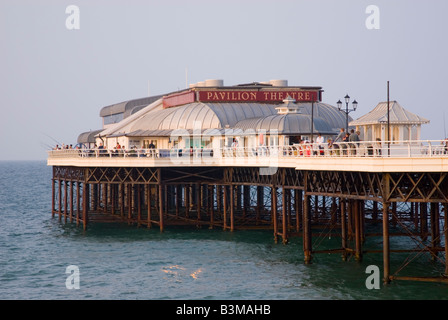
287,124
199,115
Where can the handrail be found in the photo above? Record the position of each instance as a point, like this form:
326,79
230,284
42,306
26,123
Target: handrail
369,149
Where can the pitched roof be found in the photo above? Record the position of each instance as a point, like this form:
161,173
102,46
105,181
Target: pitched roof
397,115
89,136
128,107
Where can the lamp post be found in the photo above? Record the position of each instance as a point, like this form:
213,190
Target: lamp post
347,110
388,121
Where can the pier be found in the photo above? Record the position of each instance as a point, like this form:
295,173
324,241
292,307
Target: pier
292,190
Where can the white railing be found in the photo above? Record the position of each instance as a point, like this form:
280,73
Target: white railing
373,149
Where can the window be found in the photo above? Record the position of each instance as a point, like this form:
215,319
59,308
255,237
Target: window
113,118
147,142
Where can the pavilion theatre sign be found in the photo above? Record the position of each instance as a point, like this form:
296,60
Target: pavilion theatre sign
263,96
255,96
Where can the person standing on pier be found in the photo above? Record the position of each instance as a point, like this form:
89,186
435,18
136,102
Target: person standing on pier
445,146
354,137
320,141
340,136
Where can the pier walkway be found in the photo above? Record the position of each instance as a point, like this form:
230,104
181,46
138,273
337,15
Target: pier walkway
398,156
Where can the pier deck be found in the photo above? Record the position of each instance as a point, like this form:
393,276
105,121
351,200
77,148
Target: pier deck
290,190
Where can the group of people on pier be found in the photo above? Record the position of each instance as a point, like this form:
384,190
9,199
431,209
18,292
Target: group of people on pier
345,144
349,142
65,147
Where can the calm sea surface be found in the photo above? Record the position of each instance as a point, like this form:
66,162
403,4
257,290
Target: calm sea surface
125,262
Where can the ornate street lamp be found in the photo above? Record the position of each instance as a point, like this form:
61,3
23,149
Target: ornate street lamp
347,110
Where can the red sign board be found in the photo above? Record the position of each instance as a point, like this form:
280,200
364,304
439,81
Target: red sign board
178,99
256,96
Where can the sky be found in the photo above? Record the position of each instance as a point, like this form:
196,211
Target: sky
55,79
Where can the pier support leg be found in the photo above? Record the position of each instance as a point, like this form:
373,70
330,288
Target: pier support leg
424,220
260,201
219,200
160,207
65,200
211,193
71,201
445,233
349,208
60,199
224,200
187,200
386,249
113,197
246,200
284,213
343,206
53,195
274,211
105,200
85,205
375,211
435,230
358,226
232,207
298,201
307,229
139,205
122,200
78,202
177,199
148,200
198,200
129,203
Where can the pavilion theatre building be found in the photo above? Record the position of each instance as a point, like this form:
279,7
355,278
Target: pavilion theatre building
211,115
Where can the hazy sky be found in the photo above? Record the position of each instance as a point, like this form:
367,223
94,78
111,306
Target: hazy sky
54,81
